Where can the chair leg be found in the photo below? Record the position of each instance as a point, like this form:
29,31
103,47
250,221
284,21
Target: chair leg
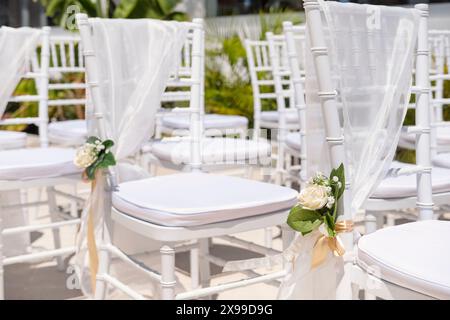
54,216
248,172
287,181
287,236
168,281
195,268
355,291
373,221
205,268
101,286
268,237
390,220
73,203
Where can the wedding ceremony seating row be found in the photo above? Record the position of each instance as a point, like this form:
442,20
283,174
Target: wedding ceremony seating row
341,85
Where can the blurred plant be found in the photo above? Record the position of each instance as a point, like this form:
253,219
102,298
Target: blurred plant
228,88
62,10
30,109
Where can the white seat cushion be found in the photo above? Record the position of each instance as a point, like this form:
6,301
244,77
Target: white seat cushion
36,163
293,140
405,186
214,150
414,255
12,140
189,199
442,135
442,160
70,132
272,116
210,121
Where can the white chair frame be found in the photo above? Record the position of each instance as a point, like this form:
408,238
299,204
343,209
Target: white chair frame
37,72
374,207
183,79
286,171
184,70
169,236
47,183
66,56
258,57
327,93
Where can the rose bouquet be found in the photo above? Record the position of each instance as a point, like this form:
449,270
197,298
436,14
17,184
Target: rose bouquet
318,202
94,154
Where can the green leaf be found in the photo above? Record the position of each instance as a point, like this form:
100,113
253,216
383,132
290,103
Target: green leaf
305,227
92,139
330,224
166,6
125,8
107,160
340,173
90,171
108,144
304,220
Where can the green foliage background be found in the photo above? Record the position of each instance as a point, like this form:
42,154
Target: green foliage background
227,91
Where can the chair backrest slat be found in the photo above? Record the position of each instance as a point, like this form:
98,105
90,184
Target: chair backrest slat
294,34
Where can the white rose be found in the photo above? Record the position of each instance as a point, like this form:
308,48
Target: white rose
313,197
85,156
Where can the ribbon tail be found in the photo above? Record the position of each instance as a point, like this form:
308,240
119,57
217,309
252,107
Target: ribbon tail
336,246
92,246
320,251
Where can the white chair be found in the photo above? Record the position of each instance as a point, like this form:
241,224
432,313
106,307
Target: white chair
271,81
187,206
36,168
66,58
439,44
406,261
397,192
213,124
12,139
217,152
263,85
286,53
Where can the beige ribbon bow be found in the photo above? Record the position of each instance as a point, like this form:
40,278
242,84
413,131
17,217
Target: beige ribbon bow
325,244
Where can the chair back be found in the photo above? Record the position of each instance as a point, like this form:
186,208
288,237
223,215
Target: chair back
439,42
261,75
187,75
294,35
37,69
327,94
66,58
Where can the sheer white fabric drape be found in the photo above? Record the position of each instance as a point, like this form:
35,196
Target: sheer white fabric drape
16,47
134,60
371,51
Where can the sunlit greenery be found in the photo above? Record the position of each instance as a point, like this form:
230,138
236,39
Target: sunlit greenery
61,10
